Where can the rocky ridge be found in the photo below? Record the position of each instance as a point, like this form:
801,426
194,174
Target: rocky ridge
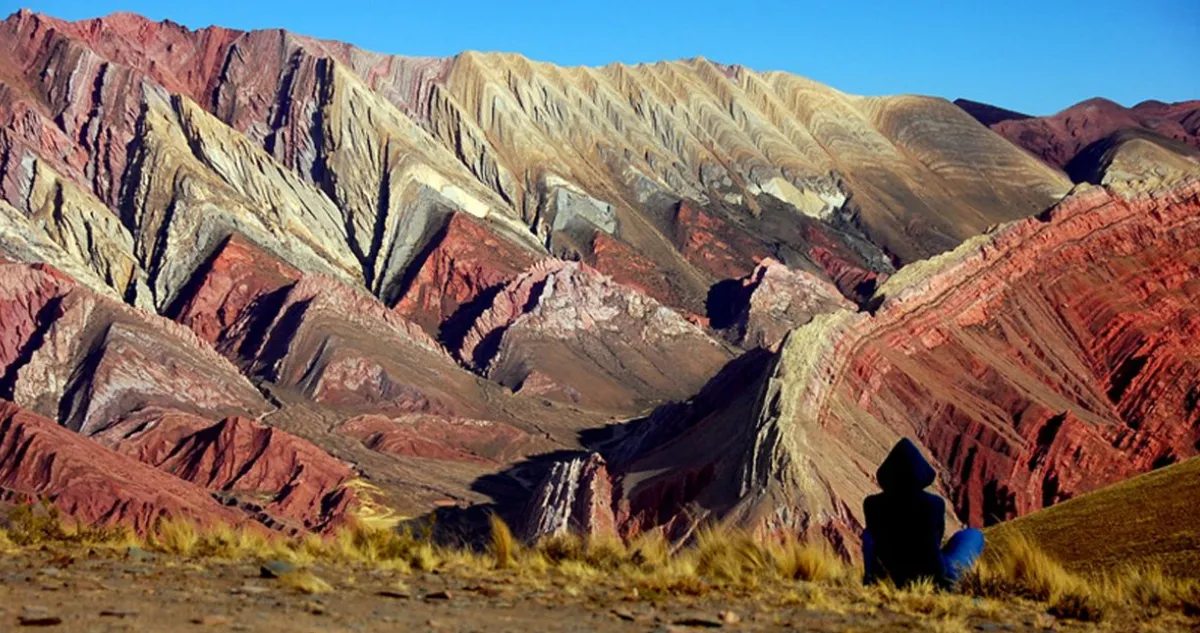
270,266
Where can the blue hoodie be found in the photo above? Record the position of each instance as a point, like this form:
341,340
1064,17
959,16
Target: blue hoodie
906,524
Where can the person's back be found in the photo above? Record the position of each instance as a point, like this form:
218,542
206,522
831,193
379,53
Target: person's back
905,525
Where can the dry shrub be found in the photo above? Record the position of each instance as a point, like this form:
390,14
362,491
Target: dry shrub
1016,568
503,545
562,547
649,551
731,556
31,525
808,561
602,553
1078,604
174,536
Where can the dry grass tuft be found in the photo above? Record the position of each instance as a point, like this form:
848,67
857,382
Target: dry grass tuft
503,546
811,562
304,582
1079,604
175,536
721,560
1016,568
30,525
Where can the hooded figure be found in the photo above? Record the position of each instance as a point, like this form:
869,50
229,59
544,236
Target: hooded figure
905,526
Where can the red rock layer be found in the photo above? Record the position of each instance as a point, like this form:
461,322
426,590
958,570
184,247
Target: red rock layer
282,480
237,282
1048,360
466,260
713,245
40,459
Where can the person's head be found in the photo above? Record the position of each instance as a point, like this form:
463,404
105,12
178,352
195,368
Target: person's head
905,469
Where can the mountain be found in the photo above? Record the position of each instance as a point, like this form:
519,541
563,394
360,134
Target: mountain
272,269
1061,138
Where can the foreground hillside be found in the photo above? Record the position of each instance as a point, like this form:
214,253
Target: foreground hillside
1146,521
257,277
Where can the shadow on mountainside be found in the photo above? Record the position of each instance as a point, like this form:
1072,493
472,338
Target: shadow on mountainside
620,444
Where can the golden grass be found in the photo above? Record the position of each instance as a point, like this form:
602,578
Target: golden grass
503,546
1013,570
1149,521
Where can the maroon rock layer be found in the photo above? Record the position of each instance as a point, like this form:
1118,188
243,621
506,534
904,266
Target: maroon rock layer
281,480
40,459
1058,139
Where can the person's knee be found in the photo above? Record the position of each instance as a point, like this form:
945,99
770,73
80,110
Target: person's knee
973,540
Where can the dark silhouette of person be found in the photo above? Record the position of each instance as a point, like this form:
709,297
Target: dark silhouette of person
906,524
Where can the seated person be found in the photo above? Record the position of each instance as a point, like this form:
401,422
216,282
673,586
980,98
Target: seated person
905,526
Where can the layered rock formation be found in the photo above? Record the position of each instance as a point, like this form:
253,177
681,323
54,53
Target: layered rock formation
262,266
774,300
565,331
1045,359
283,481
41,460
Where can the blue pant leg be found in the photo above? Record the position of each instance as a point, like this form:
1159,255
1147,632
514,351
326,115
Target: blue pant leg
961,552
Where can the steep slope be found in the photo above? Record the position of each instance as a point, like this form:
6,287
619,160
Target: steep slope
567,332
40,459
268,264
1148,520
589,163
282,481
1138,156
1038,362
87,360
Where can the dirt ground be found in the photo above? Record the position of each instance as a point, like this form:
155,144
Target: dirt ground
48,591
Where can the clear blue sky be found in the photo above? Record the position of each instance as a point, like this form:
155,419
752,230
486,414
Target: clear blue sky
1033,56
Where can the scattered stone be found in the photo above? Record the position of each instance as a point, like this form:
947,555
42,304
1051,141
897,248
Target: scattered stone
624,614
213,620
729,617
276,568
42,620
395,593
439,595
250,590
136,553
700,621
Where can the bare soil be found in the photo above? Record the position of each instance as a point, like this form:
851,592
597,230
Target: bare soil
103,592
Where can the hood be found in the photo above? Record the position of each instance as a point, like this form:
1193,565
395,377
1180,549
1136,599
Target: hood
905,469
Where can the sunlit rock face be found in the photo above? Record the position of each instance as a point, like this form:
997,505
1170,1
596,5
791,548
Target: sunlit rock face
258,269
1045,359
